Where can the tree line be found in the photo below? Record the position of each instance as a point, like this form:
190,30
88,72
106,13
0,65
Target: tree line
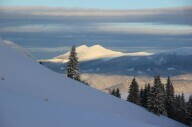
160,99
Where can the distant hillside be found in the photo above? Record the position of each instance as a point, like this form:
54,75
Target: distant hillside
104,61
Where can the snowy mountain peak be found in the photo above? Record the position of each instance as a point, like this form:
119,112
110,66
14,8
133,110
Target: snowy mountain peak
88,53
97,47
82,47
97,51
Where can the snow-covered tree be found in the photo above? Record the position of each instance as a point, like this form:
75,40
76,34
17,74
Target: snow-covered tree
189,110
180,113
134,92
169,101
73,65
156,99
144,94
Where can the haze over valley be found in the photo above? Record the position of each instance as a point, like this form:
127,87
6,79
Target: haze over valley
105,69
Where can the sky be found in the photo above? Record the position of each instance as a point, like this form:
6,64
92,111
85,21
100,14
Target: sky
48,28
101,4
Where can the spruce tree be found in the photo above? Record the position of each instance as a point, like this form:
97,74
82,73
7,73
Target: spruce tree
134,92
146,93
156,99
142,96
181,109
113,92
73,65
116,93
189,110
169,101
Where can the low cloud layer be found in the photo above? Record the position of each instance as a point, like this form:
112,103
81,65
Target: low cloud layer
45,19
178,15
126,28
55,27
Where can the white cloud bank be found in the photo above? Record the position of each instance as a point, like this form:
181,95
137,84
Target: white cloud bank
50,50
125,28
60,11
138,28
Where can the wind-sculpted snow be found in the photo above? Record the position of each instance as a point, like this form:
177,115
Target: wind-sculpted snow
33,96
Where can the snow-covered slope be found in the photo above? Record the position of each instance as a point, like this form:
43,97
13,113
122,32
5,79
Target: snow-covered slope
86,53
33,96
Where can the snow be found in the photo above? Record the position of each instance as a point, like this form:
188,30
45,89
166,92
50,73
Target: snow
86,53
33,96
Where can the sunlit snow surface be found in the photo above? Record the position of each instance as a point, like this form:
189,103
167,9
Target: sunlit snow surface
86,53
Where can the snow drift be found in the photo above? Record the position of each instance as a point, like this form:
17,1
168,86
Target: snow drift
33,96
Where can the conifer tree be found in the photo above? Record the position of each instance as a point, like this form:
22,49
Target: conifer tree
189,110
156,99
169,102
142,96
118,93
145,95
181,109
182,100
134,92
73,65
113,92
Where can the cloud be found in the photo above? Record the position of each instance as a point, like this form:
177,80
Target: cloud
138,28
50,19
34,28
74,24
50,50
59,11
50,28
180,15
124,28
55,27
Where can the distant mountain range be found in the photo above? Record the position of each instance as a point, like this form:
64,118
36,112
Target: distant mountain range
97,59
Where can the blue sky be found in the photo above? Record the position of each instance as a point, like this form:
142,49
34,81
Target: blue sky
101,4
